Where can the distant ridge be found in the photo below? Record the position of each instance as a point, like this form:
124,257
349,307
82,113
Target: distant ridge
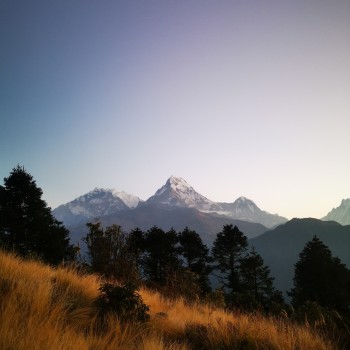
281,246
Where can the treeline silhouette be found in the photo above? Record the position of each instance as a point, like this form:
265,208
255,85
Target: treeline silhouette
179,264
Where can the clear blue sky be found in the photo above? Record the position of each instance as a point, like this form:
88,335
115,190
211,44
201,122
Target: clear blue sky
239,98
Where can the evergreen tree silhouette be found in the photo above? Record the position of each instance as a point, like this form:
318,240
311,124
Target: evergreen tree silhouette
320,277
228,251
160,258
257,281
26,223
196,257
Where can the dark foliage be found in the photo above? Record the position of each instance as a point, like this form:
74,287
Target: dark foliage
26,223
330,323
183,283
321,278
195,255
136,247
160,258
245,278
228,251
257,281
109,253
122,301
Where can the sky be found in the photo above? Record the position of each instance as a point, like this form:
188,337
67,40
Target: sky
239,98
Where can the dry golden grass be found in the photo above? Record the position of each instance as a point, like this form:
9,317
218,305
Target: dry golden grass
46,308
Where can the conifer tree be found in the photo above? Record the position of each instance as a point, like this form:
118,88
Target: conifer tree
160,258
26,223
228,250
136,247
320,277
196,257
256,279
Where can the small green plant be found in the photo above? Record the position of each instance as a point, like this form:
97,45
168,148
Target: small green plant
123,301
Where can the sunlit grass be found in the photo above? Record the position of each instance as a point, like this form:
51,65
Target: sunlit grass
46,308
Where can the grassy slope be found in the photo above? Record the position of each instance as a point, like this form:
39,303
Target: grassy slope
46,308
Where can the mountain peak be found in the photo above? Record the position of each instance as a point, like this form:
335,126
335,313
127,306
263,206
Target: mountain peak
95,204
243,200
243,204
340,214
178,183
177,192
245,209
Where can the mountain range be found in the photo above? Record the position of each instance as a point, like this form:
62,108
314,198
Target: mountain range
176,205
176,193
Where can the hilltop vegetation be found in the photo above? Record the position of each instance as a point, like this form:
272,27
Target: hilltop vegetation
55,308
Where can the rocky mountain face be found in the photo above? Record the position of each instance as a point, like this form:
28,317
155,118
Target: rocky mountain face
340,214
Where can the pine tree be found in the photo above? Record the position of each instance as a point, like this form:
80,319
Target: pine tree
228,250
196,257
256,279
26,223
320,277
160,258
136,248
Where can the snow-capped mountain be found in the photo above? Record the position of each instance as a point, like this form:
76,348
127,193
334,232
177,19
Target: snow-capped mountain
177,192
340,214
95,204
246,210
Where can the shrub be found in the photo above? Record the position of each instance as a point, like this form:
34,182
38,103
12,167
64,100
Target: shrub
328,322
123,301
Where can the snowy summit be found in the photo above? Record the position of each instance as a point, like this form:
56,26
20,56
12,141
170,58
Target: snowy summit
177,192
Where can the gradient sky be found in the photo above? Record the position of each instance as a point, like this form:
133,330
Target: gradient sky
239,98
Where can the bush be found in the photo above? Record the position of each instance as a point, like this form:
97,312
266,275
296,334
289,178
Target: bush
123,301
327,322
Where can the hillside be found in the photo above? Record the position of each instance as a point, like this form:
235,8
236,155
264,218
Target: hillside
46,308
280,247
